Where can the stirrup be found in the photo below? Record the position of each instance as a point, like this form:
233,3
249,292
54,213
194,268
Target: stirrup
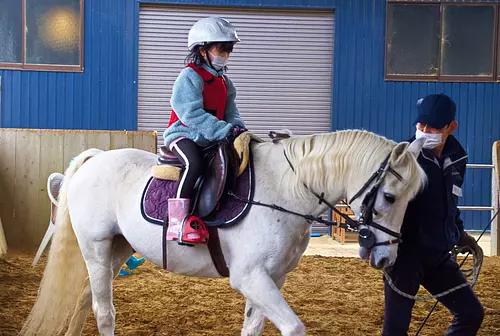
193,231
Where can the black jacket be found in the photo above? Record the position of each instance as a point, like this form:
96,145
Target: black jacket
432,221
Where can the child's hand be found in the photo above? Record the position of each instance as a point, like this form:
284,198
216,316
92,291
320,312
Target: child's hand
233,133
239,130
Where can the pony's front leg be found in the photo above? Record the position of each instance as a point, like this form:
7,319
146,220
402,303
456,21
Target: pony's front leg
254,319
263,293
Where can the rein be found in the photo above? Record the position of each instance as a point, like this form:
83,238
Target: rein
366,237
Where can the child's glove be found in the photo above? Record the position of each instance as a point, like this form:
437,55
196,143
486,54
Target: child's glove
239,130
234,132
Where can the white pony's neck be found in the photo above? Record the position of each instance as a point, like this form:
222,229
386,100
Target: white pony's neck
334,163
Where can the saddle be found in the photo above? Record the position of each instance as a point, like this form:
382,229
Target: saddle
225,162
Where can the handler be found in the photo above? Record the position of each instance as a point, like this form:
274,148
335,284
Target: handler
432,227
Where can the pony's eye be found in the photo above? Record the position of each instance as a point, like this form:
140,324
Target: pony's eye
390,198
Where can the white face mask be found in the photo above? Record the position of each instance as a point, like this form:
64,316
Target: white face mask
219,62
431,140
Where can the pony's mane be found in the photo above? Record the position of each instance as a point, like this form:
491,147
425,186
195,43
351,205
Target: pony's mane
312,156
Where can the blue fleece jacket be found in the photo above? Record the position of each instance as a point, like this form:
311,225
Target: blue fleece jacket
187,101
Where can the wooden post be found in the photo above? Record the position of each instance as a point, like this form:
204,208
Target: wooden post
495,200
3,241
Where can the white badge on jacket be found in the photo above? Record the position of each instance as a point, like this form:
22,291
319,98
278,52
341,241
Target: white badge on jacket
457,191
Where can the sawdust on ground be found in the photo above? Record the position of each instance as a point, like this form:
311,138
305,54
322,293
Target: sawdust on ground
332,296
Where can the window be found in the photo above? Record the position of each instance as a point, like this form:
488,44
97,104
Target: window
41,35
442,41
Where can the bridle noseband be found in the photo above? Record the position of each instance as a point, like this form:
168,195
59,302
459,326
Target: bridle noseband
366,237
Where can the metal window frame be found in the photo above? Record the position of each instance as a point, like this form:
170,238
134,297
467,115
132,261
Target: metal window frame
46,67
494,77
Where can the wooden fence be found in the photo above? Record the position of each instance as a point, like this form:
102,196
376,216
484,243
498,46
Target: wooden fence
29,156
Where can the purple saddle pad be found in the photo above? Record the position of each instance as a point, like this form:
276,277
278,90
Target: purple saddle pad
154,201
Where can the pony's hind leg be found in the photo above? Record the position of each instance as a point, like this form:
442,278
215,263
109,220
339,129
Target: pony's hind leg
121,252
98,255
254,319
260,289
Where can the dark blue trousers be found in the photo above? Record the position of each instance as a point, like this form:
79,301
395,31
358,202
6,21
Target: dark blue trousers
436,274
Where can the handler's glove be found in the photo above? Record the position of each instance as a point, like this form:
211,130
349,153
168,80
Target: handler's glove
467,243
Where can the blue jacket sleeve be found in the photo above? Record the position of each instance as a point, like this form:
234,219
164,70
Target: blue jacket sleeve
187,102
232,115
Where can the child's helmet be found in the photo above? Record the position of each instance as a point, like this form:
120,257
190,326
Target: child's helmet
211,29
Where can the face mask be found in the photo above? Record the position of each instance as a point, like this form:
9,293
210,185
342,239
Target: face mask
431,140
219,62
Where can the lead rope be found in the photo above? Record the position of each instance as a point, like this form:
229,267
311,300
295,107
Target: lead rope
476,268
463,261
475,272
477,240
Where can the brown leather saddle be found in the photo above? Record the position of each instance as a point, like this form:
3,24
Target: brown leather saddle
222,165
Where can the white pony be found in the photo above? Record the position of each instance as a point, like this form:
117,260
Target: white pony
99,222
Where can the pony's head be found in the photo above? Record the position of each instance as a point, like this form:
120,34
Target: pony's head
378,176
381,203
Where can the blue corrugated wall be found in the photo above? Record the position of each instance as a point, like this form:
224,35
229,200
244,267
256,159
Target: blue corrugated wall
362,99
105,95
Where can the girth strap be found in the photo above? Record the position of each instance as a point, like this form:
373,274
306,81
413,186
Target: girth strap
216,252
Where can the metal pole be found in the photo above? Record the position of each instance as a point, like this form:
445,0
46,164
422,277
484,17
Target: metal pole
1,89
495,199
480,166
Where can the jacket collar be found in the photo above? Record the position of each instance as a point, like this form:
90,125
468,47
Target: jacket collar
453,152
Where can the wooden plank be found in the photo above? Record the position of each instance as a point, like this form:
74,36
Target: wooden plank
495,199
138,141
119,140
74,143
151,141
100,140
146,141
130,139
7,185
51,161
26,194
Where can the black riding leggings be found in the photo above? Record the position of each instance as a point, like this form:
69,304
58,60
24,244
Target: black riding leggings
191,156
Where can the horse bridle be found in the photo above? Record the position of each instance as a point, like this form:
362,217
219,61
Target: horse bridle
366,237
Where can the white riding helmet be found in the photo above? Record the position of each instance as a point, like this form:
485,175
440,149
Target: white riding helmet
211,29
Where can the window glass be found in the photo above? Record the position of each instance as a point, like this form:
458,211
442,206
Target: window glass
11,26
467,44
413,39
53,32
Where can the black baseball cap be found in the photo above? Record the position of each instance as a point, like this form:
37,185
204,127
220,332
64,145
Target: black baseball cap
436,110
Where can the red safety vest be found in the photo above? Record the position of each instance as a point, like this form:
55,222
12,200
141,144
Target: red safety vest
214,94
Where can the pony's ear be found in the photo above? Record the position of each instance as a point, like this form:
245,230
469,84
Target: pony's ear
416,146
398,151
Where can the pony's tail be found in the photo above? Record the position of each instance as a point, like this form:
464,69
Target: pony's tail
65,273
